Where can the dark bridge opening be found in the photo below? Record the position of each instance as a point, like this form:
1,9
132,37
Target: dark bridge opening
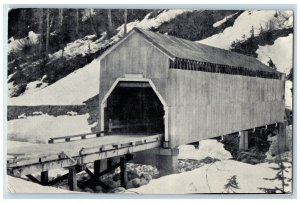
134,108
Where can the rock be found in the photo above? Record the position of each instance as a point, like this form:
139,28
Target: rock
143,181
148,177
98,188
136,182
116,177
132,174
111,183
118,190
130,184
87,189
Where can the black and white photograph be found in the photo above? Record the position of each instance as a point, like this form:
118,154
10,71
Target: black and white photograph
149,101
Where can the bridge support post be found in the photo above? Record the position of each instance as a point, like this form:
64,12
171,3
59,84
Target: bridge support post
72,180
44,177
123,172
167,161
244,139
99,166
282,137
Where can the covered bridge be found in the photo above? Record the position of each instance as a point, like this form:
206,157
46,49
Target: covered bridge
150,82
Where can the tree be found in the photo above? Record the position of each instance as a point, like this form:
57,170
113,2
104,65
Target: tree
252,32
110,27
271,64
41,14
60,16
92,23
48,31
125,22
77,23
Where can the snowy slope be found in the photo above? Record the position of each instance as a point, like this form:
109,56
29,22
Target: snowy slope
281,53
73,89
212,178
243,24
38,129
82,84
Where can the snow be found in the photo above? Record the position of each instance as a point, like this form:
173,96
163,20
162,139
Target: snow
35,86
16,45
219,23
73,89
281,53
207,148
211,178
82,84
18,185
147,23
38,129
243,24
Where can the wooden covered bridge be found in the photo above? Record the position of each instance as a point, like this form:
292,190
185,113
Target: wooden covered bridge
158,92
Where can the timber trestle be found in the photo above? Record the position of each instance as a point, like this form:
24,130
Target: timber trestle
121,146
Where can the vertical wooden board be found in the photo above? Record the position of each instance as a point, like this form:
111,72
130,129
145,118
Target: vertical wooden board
177,88
135,61
208,119
172,124
124,60
172,98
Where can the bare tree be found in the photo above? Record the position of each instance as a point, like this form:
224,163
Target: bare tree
109,33
41,14
60,16
92,23
48,31
77,22
125,22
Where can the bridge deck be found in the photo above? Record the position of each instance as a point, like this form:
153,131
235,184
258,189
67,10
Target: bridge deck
43,157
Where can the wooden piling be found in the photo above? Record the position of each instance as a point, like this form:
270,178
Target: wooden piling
282,137
44,178
72,180
97,166
243,145
123,172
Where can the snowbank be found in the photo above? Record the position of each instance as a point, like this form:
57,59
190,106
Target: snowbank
265,19
18,185
207,148
212,178
38,129
73,89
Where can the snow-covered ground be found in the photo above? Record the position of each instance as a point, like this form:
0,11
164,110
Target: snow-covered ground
73,89
207,148
17,185
243,25
38,129
212,178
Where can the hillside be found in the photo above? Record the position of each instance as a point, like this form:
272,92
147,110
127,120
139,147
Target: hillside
30,83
